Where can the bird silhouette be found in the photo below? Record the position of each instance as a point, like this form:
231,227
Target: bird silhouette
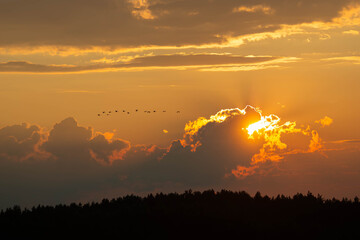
108,113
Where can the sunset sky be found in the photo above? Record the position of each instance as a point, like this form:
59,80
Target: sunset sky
62,62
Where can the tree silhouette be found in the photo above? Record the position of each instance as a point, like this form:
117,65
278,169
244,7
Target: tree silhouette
192,214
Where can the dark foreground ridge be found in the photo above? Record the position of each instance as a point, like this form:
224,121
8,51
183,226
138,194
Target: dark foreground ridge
191,215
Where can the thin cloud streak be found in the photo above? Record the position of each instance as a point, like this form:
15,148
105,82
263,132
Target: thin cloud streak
140,63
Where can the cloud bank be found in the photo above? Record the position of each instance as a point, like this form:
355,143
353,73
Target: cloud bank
72,162
124,23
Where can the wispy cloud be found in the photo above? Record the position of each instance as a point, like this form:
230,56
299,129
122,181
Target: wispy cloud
255,8
351,32
324,122
176,61
78,91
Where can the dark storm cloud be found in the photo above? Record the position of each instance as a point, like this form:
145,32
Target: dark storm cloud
176,60
120,23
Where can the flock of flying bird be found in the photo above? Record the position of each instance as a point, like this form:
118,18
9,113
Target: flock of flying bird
108,113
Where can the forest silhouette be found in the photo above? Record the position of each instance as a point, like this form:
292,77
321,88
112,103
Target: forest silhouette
190,215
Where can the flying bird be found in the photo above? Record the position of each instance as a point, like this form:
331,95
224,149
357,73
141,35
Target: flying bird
108,113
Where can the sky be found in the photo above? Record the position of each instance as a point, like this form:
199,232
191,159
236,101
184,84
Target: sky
248,95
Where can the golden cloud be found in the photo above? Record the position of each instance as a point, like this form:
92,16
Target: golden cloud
351,32
230,145
267,128
147,62
255,8
159,24
326,121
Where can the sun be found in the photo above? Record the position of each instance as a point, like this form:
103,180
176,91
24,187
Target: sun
266,123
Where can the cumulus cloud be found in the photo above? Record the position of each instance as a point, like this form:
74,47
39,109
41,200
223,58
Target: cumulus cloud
265,129
326,121
20,142
68,140
107,151
209,150
234,146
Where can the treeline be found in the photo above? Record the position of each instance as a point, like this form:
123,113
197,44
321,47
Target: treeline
189,215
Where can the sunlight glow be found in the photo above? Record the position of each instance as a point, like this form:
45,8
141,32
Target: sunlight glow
266,123
268,129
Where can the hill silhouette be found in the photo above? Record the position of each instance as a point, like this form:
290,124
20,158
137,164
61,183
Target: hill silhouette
190,215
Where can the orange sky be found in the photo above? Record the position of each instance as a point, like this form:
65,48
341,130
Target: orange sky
64,62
